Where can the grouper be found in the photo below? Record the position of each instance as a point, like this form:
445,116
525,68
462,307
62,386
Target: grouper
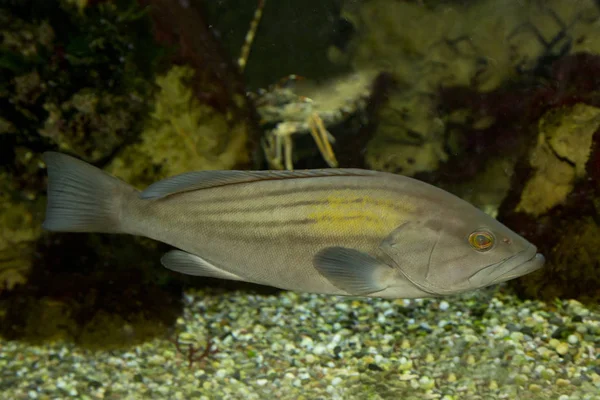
342,231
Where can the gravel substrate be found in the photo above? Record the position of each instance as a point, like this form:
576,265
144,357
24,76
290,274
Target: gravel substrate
487,345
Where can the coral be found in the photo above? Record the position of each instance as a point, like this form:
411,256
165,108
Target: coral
181,135
545,126
97,290
409,137
111,331
568,236
19,231
72,77
562,151
48,319
529,143
78,80
575,262
14,271
91,124
20,218
481,45
21,39
217,82
473,43
89,87
487,189
503,122
555,196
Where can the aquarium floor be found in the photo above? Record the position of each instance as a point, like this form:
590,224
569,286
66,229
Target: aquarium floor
487,345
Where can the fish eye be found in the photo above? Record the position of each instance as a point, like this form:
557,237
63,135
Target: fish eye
481,240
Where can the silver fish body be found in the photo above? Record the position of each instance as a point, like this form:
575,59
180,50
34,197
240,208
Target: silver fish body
333,231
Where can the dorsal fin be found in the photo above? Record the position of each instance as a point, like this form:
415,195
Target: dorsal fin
199,180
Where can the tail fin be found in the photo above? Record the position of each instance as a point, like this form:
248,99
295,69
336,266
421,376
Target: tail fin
83,198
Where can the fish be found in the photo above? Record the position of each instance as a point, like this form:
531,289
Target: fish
338,231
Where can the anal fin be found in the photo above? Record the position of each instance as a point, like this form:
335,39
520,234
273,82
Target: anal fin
190,264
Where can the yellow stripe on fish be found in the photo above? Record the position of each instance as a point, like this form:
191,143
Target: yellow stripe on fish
353,214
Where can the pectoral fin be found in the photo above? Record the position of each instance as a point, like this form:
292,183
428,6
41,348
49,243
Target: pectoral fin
190,264
352,271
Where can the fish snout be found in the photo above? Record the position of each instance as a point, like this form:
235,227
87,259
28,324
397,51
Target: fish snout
533,264
520,264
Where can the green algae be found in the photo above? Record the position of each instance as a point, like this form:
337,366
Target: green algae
180,135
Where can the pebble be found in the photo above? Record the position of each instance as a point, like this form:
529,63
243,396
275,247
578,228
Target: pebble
426,383
562,382
548,374
544,352
221,373
311,348
572,339
562,348
535,388
319,349
306,342
517,336
521,379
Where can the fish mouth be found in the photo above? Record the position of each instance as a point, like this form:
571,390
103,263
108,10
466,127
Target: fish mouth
533,264
510,268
